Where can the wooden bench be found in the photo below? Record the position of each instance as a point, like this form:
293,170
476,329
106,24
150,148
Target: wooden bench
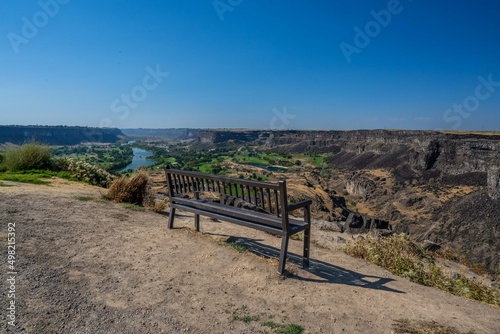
259,205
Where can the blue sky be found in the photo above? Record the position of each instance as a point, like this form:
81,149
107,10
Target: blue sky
251,64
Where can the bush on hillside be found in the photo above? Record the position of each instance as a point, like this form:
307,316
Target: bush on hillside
133,189
28,156
83,171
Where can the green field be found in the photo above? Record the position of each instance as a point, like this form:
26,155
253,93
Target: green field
33,176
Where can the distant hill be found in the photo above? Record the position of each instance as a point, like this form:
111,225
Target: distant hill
174,134
58,135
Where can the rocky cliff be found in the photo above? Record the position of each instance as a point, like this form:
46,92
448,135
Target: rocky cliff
460,158
58,135
435,185
172,134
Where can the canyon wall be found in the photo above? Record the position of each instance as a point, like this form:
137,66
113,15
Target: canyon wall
58,135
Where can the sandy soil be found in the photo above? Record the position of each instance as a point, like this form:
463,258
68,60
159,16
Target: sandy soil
89,266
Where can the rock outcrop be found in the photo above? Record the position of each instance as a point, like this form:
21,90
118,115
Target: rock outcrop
494,182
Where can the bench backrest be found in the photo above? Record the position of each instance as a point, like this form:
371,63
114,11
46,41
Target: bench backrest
268,197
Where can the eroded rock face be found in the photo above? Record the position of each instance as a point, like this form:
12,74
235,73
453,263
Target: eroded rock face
414,152
358,184
469,224
494,182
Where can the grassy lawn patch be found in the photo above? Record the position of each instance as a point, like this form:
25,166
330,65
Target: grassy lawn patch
33,176
317,160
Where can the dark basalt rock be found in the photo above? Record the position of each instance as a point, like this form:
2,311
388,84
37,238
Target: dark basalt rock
357,223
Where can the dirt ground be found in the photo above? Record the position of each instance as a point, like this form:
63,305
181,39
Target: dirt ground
89,266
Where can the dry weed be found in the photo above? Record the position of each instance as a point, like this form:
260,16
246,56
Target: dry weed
133,189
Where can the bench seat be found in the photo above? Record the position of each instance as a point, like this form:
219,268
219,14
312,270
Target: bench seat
258,220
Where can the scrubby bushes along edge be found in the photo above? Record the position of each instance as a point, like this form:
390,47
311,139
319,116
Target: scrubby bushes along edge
34,157
403,257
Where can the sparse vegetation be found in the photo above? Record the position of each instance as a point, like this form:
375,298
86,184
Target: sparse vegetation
402,256
241,314
133,207
406,326
237,247
84,198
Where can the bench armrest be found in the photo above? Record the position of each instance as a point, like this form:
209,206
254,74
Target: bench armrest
298,205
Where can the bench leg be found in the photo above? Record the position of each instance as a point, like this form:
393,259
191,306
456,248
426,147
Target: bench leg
283,253
171,218
307,237
197,216
197,222
307,243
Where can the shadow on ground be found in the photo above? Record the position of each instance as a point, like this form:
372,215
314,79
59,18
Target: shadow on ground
324,272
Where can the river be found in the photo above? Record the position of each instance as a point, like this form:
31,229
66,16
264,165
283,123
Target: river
277,169
139,160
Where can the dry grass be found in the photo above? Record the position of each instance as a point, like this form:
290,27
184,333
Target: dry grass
151,203
406,326
452,255
136,191
403,257
133,189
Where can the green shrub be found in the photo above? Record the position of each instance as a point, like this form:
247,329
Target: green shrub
132,189
83,171
27,157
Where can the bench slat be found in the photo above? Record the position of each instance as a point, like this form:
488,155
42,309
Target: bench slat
263,218
224,178
235,220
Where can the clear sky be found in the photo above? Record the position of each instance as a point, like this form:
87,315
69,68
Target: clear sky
311,64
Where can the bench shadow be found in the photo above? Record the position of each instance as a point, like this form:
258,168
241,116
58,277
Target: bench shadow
324,272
